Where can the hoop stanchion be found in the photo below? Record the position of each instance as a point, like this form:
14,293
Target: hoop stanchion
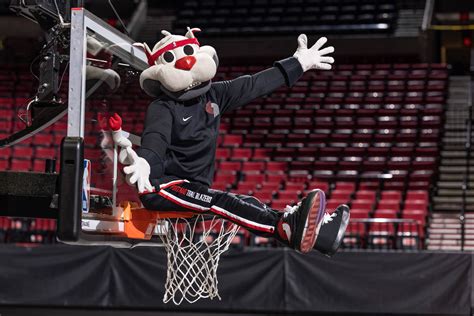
194,246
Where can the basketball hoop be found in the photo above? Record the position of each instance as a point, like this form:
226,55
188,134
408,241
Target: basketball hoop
193,242
194,246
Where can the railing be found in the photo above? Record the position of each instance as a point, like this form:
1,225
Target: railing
384,233
138,19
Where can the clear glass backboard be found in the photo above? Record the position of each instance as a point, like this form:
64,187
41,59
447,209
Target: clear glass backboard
104,79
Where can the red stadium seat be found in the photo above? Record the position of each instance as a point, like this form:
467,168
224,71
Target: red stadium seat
265,196
276,177
412,204
241,154
245,187
295,186
366,195
45,153
225,177
419,216
4,165
288,195
332,204
362,205
385,213
262,154
22,152
229,166
273,166
232,140
255,177
341,194
347,186
324,186
19,164
391,195
222,153
222,186
389,204
253,166
268,185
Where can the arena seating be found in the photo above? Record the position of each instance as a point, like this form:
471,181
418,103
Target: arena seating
27,231
264,17
365,134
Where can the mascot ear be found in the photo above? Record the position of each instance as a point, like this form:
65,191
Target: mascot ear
190,32
210,51
145,48
166,33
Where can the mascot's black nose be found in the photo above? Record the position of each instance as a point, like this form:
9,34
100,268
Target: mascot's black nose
185,63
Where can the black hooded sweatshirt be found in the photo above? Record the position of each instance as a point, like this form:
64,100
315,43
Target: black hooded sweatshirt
180,138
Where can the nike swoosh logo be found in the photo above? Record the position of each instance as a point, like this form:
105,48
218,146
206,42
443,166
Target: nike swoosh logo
186,119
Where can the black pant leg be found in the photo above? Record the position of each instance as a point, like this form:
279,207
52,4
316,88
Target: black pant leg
178,196
246,211
184,196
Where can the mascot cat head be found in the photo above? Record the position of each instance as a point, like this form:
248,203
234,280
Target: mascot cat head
179,67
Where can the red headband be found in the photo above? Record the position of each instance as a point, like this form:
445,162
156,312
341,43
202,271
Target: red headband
153,57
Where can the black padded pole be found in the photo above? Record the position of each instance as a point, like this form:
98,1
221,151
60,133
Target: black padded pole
70,188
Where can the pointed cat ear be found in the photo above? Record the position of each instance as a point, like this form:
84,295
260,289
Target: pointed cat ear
146,49
165,33
190,32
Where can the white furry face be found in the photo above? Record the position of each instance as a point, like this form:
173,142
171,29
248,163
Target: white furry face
183,68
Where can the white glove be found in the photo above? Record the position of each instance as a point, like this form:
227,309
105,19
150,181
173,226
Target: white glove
115,123
313,58
120,139
123,143
138,172
138,169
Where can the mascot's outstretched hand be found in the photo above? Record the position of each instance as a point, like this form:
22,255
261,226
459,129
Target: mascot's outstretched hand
138,169
313,58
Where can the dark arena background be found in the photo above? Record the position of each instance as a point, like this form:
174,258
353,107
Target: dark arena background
387,131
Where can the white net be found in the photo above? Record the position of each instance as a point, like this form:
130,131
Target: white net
194,247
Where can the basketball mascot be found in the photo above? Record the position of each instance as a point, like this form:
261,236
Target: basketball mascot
174,166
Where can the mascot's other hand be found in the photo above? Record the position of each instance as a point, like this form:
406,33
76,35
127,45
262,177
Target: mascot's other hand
138,172
313,58
121,140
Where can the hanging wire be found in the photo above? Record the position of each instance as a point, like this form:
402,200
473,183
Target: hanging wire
62,76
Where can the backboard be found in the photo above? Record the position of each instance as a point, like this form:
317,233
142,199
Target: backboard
104,74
